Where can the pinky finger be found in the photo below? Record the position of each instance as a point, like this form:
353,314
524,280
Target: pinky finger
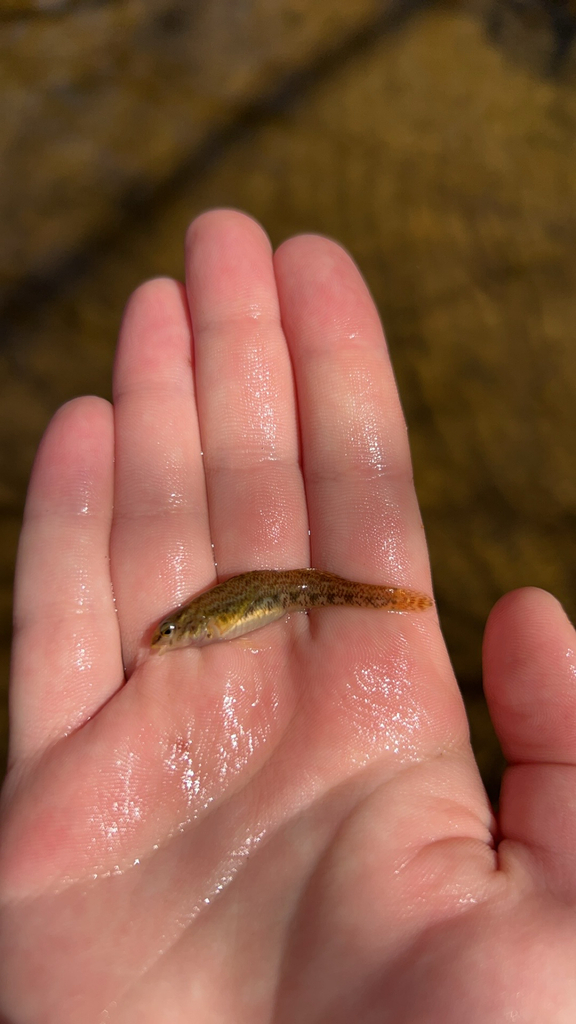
66,658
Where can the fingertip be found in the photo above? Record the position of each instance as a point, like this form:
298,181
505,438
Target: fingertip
313,245
82,412
324,297
151,297
227,221
316,258
154,345
77,443
522,624
527,599
529,657
229,276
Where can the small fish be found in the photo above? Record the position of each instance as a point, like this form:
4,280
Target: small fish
253,599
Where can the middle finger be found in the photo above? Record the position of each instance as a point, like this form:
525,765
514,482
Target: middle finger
245,397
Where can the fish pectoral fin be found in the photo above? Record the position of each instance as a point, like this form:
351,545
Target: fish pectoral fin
252,616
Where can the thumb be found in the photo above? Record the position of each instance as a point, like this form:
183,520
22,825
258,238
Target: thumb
530,685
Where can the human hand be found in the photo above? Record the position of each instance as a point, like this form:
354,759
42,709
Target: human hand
289,826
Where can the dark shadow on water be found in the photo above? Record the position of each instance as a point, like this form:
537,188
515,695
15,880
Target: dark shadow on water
38,289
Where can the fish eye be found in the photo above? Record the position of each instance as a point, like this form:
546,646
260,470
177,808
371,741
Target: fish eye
166,629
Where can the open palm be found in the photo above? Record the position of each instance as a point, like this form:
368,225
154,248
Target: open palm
287,827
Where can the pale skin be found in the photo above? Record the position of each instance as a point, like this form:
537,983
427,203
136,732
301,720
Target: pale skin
289,826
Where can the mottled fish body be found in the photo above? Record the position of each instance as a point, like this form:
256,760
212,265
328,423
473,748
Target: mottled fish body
253,599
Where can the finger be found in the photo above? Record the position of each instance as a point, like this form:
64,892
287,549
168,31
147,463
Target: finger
161,551
530,685
363,514
530,678
245,397
364,517
66,658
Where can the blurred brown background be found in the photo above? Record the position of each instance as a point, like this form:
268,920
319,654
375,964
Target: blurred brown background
436,140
